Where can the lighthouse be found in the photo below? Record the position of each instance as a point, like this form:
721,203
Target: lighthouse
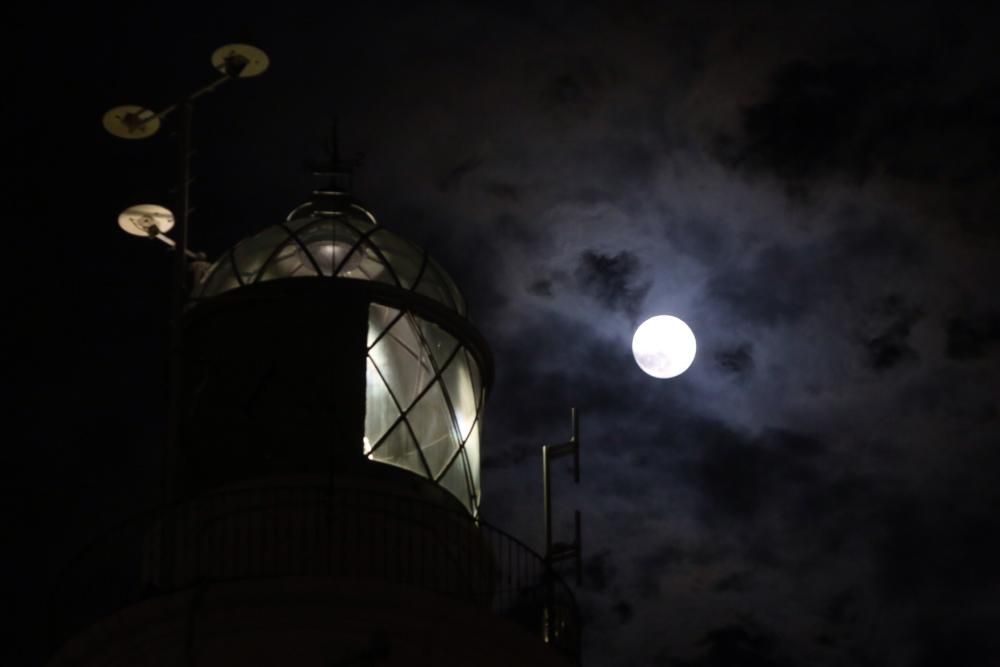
324,479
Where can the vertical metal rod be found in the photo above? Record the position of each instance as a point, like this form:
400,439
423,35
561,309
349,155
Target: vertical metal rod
547,500
171,447
575,439
180,276
578,556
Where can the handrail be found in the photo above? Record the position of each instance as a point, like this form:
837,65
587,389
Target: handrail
315,531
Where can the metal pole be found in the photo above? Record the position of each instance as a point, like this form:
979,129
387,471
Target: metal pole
547,501
179,292
575,439
555,552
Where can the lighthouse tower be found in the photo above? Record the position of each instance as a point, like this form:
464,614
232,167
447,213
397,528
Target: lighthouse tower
325,477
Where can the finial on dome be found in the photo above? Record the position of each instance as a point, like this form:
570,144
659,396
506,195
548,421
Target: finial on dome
338,171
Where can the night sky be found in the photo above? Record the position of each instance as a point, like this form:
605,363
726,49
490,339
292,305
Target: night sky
812,187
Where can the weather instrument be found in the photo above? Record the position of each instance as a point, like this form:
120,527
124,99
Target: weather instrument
232,61
151,221
240,61
130,121
664,346
146,220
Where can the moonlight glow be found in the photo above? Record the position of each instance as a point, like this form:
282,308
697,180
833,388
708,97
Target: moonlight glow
664,346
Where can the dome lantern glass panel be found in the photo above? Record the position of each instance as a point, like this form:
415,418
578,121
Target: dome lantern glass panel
417,369
333,243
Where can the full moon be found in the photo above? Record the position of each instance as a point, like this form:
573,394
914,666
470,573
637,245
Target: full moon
664,346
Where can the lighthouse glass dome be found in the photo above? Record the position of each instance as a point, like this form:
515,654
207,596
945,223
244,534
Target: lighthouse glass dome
333,237
424,389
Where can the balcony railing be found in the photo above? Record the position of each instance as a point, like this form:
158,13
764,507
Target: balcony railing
315,532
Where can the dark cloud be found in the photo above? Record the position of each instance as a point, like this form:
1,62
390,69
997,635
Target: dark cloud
598,571
512,454
736,645
541,287
700,238
737,582
842,609
504,191
967,641
623,610
668,555
574,92
515,229
736,360
890,346
454,176
812,120
948,553
954,394
861,116
970,338
613,280
862,239
775,493
782,283
549,285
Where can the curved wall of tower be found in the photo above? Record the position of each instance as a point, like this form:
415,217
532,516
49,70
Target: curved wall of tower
315,622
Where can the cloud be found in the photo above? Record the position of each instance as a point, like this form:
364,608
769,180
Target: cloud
811,121
890,346
599,571
454,176
613,280
739,477
735,360
781,285
737,582
735,644
624,611
972,337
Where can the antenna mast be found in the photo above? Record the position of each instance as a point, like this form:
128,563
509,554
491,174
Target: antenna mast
340,172
559,551
233,61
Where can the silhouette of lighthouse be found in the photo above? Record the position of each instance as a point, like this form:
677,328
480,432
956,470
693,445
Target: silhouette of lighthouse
325,477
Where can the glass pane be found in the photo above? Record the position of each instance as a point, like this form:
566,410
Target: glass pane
250,255
329,241
432,285
221,279
288,262
379,317
364,264
459,387
328,254
431,424
454,481
403,362
477,382
404,257
437,285
456,296
398,449
380,409
474,456
439,342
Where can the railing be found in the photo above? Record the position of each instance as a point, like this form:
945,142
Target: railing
315,532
